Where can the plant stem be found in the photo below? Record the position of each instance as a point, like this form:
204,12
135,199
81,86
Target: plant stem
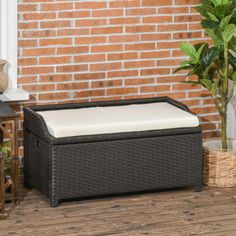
225,100
224,132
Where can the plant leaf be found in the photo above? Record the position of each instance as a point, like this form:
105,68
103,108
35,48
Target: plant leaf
200,50
209,24
222,9
216,2
182,68
225,21
212,16
206,83
189,50
228,32
209,56
203,11
232,44
185,63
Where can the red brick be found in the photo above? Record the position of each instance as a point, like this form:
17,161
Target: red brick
140,28
28,25
123,38
105,66
122,56
26,7
54,96
173,10
124,3
107,48
90,93
172,27
73,86
27,61
90,5
139,64
155,37
90,40
39,34
39,16
138,81
187,18
72,68
74,14
72,32
90,58
72,50
160,54
156,3
107,30
55,24
118,74
55,41
39,87
27,43
140,11
158,88
37,70
56,7
55,60
90,22
106,83
107,13
121,91
55,78
90,76
157,19
125,20
140,46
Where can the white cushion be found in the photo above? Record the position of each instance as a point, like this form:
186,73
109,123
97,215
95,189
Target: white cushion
117,119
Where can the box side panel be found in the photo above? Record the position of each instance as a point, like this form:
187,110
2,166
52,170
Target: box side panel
37,163
111,167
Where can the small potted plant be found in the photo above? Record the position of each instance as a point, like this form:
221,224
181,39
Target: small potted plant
214,66
5,149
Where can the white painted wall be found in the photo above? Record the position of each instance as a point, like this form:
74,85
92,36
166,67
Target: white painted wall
8,38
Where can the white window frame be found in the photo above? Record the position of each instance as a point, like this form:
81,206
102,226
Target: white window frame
9,48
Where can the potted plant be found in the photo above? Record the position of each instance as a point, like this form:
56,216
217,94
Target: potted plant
5,149
214,66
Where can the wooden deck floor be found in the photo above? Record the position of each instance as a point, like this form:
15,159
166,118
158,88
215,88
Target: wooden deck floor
173,213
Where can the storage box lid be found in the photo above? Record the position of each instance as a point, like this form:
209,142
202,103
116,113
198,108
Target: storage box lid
117,119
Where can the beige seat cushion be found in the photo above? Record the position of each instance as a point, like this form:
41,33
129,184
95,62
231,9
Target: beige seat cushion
117,119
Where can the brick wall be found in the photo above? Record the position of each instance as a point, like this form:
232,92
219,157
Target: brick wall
84,50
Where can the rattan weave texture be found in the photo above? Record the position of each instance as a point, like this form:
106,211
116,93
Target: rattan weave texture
77,167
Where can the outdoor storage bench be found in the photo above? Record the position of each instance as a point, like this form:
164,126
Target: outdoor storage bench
75,151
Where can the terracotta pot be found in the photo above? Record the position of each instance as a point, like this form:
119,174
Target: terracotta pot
3,76
219,166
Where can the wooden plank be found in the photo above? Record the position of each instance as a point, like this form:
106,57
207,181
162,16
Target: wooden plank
175,213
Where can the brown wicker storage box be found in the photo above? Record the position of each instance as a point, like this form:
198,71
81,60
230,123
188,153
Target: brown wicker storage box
107,164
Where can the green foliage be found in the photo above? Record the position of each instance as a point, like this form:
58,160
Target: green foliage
215,65
5,149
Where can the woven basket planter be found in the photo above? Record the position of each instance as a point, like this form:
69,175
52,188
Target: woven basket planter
219,166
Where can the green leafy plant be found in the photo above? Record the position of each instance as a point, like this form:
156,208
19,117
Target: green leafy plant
215,64
5,149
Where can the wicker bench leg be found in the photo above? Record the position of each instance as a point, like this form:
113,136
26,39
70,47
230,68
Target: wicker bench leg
198,187
55,203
